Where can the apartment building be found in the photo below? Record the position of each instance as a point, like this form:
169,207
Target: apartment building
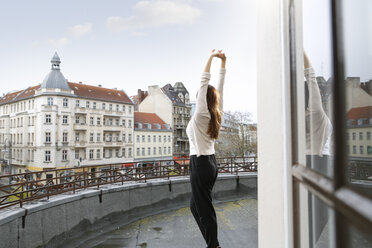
153,138
171,104
60,124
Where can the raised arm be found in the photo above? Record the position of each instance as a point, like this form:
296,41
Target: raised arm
201,98
315,99
221,80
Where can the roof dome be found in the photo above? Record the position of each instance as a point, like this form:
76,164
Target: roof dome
55,79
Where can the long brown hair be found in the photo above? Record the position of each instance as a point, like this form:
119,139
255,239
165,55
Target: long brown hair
213,107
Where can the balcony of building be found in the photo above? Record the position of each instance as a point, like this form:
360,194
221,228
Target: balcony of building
81,110
80,126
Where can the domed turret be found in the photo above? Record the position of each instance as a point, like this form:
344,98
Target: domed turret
55,79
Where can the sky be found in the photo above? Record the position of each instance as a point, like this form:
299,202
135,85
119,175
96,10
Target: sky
357,34
131,44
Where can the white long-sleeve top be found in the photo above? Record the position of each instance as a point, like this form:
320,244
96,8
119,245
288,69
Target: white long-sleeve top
200,142
318,125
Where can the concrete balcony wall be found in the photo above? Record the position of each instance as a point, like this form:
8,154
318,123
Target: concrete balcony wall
70,220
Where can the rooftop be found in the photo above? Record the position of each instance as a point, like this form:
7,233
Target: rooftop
237,227
141,118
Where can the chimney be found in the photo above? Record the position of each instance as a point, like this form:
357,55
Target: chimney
100,85
80,82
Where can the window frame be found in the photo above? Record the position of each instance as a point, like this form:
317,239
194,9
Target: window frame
335,192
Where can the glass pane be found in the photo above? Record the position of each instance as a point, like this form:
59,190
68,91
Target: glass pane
316,221
359,239
357,17
318,85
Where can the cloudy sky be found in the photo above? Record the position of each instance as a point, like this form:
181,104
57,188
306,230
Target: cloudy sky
130,44
357,21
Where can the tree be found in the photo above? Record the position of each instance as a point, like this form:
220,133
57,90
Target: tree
238,136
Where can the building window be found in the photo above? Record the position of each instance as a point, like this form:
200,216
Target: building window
165,150
354,136
64,155
154,138
123,152
77,119
48,119
98,137
91,121
148,151
154,151
117,107
87,104
130,109
368,135
47,137
354,149
77,136
116,137
143,151
50,101
169,150
129,152
64,137
103,106
169,138
159,150
76,154
94,105
360,136
47,156
77,103
149,138
117,152
91,154
123,122
138,151
110,106
143,138
138,138
117,122
130,123
64,119
123,137
159,138
129,138
165,138
91,137
98,153
65,102
124,108
361,150
110,153
110,122
98,121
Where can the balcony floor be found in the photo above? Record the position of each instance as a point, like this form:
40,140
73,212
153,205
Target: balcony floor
237,223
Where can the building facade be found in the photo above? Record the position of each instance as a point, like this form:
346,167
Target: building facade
61,124
172,104
153,138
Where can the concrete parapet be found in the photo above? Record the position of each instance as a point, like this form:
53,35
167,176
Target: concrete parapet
70,219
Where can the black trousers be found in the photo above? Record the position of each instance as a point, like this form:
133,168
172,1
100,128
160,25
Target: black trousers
203,174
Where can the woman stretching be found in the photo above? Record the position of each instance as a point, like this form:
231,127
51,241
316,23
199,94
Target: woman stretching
202,130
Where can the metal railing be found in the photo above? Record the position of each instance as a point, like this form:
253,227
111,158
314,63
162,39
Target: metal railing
31,186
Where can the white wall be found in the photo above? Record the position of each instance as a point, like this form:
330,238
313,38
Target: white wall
273,125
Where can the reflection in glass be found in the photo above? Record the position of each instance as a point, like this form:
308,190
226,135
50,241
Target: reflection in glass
358,71
318,218
318,86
